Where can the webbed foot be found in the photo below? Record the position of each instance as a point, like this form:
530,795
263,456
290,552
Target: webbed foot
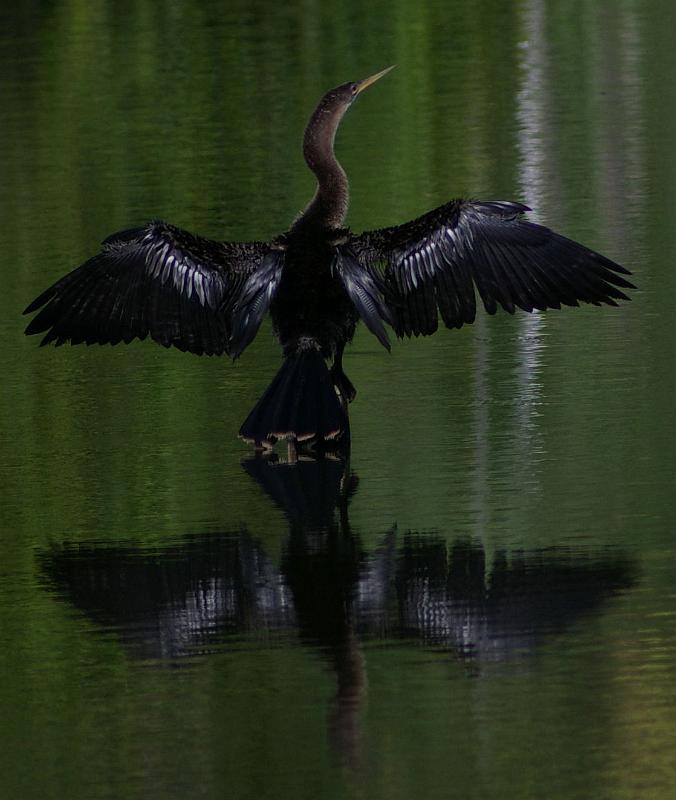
343,385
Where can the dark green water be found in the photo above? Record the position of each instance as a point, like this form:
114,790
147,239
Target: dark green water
483,602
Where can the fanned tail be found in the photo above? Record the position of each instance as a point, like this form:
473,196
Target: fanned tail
301,403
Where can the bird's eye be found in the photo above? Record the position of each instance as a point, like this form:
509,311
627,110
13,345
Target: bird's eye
354,89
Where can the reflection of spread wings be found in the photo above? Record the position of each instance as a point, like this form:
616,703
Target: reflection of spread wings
189,597
451,597
182,290
432,264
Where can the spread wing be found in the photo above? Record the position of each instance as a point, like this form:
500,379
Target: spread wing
431,266
160,281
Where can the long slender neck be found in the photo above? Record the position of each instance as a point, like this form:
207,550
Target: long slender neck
328,207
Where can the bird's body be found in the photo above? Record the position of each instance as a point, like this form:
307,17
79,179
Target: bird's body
317,280
311,302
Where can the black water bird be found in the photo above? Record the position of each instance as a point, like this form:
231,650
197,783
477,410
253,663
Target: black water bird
317,280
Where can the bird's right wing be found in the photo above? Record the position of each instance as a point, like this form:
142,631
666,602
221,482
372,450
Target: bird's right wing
160,281
432,264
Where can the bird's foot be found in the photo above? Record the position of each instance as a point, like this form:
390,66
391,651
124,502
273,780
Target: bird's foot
343,385
262,445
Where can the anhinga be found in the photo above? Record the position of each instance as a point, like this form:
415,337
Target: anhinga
318,280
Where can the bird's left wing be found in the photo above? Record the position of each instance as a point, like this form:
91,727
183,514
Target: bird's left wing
432,264
160,281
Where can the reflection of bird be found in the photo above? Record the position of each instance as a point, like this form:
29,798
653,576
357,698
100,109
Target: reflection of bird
318,279
205,594
191,598
197,592
182,601
500,611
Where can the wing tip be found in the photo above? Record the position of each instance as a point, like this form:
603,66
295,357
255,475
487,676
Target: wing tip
40,301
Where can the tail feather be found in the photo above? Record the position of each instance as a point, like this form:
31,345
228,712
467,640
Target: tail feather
301,403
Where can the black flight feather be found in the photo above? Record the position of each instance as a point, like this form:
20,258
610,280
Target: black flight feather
434,262
182,290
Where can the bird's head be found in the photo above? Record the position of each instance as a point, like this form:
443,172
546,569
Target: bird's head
344,95
324,122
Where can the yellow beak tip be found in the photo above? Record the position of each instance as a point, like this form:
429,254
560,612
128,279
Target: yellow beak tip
361,85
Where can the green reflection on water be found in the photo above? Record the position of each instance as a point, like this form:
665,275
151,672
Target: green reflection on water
520,433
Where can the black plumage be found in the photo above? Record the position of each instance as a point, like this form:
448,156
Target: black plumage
435,261
317,280
160,281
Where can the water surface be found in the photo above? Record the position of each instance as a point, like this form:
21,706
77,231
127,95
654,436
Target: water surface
481,602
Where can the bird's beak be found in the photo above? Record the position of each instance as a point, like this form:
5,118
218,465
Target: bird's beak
361,85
